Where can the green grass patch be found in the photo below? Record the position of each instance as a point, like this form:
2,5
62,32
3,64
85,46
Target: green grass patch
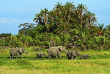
98,63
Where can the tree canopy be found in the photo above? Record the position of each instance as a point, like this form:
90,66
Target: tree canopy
67,25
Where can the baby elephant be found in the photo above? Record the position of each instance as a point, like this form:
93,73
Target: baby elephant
40,54
85,56
71,55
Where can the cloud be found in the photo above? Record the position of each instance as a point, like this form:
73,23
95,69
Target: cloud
12,21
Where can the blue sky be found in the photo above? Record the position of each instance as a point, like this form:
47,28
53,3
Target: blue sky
15,12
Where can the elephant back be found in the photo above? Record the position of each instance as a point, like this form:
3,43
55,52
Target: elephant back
85,56
53,50
77,52
40,53
71,53
12,50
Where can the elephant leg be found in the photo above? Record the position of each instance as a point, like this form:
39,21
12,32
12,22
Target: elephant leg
85,57
21,56
74,57
49,56
56,56
68,58
59,55
41,56
10,56
71,57
16,56
38,57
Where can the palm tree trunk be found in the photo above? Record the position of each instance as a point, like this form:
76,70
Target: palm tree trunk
81,18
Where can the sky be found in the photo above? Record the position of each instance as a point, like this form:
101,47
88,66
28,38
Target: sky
16,12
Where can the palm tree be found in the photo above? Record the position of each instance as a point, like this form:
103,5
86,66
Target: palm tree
45,16
90,19
58,8
81,9
58,13
100,28
38,18
69,7
107,30
52,20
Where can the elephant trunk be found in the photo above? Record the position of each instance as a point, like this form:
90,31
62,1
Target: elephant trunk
65,52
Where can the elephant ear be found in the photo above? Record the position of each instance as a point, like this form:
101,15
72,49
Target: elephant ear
59,49
20,50
62,48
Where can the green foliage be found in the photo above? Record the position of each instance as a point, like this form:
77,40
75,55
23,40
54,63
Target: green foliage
74,32
64,25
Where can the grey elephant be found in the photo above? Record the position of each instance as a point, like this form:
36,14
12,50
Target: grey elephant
55,51
16,52
40,54
85,56
77,53
71,55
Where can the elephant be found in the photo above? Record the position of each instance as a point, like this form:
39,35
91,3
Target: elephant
77,53
40,54
16,52
85,56
71,55
55,51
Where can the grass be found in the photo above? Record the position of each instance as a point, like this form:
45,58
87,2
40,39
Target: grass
97,63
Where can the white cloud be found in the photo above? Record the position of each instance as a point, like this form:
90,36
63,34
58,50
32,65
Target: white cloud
11,20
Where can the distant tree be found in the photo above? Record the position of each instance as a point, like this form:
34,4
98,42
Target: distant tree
81,10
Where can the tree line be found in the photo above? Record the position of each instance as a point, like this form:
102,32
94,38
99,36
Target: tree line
67,25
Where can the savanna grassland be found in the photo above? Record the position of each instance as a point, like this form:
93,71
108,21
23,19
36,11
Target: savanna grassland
97,63
65,25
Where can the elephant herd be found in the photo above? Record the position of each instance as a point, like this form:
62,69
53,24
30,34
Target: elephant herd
52,51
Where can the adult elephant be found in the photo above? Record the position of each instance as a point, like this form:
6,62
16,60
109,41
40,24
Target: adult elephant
77,53
16,52
55,51
71,55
